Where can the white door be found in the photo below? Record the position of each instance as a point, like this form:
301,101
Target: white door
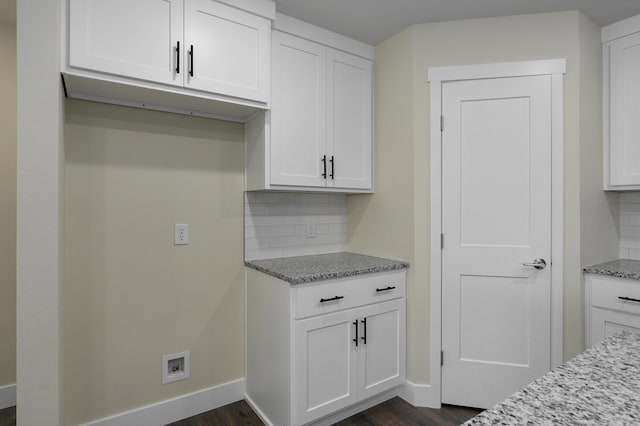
129,38
381,356
227,50
298,115
349,142
325,364
625,103
496,201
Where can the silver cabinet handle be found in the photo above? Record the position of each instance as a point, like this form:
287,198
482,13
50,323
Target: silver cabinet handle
537,263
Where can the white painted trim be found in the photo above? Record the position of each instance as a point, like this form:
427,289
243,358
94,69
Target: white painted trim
498,70
420,395
435,324
7,396
621,28
557,219
557,197
302,29
182,407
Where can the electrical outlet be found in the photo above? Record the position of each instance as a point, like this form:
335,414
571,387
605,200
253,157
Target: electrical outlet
181,234
175,367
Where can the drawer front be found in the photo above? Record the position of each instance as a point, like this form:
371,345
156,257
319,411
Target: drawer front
605,323
616,294
331,296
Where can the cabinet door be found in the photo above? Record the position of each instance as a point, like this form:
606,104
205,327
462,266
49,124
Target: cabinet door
127,38
227,50
624,106
325,365
349,134
605,323
298,115
381,360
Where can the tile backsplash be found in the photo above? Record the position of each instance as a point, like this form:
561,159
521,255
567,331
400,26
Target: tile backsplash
630,225
293,224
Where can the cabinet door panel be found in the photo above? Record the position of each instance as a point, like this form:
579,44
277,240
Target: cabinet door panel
605,323
625,104
134,39
325,368
349,138
298,117
381,361
230,50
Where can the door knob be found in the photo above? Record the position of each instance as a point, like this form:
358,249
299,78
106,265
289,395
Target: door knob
537,263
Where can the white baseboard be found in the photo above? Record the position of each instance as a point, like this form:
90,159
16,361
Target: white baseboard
420,395
179,408
7,396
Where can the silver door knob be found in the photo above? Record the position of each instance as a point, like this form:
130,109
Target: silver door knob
537,263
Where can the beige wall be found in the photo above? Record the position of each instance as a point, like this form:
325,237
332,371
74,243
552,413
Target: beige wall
8,204
129,295
395,221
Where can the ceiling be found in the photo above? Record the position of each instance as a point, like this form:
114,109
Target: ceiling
372,21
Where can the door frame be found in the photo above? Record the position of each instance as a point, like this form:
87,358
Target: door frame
556,68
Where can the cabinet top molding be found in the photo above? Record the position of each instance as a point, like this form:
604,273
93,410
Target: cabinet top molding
264,8
621,29
293,26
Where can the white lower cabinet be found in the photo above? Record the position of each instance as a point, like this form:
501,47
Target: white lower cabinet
612,305
332,344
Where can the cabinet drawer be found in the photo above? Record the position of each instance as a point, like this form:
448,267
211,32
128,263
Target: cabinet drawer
615,294
331,296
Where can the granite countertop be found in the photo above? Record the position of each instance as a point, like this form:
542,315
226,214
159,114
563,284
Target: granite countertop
599,387
304,269
622,268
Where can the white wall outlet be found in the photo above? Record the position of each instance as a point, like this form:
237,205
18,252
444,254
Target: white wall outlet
181,234
175,367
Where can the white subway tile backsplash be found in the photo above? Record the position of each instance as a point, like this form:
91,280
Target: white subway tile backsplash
630,225
278,224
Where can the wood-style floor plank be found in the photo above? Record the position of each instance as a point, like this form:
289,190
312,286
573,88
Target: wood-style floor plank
395,411
390,413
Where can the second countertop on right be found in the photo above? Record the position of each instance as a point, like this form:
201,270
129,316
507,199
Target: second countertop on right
621,268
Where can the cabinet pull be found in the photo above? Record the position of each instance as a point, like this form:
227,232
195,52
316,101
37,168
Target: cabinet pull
324,166
332,167
191,61
331,299
385,289
356,339
630,299
178,58
364,334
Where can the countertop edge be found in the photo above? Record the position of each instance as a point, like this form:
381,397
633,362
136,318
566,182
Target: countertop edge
327,276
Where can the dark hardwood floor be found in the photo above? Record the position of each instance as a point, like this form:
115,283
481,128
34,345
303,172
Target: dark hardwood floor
390,413
8,416
395,411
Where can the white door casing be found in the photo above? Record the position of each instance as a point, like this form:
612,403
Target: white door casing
481,353
496,215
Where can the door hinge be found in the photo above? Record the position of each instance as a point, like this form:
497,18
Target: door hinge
441,241
441,358
442,123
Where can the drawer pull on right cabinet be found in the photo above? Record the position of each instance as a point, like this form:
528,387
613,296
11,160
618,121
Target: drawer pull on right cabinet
385,289
331,299
630,299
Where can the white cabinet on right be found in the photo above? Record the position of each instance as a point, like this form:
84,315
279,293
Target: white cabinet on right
621,55
318,134
612,304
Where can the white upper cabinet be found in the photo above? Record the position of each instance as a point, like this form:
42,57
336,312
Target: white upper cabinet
227,50
318,135
173,55
621,104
